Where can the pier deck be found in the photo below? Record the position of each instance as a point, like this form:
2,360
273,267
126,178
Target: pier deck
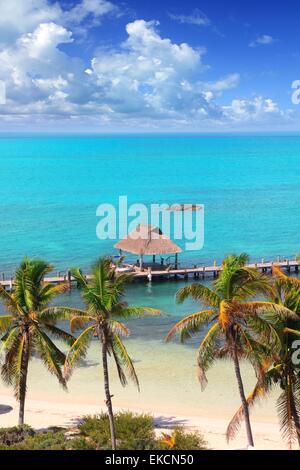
183,272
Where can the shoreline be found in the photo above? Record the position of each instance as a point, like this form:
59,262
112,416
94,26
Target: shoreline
173,398
42,414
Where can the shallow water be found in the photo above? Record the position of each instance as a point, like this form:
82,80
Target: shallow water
50,187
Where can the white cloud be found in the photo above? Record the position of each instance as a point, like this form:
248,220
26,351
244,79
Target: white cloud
226,83
43,41
257,108
147,82
150,75
51,83
197,17
22,16
94,8
264,40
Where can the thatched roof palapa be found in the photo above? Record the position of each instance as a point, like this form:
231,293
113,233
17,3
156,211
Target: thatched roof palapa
147,240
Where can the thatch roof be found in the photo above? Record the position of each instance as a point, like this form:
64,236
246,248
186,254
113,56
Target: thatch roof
147,240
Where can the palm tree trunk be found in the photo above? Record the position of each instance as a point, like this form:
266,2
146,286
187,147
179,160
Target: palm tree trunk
23,378
243,397
107,390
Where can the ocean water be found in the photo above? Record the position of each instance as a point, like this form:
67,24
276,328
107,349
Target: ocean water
50,187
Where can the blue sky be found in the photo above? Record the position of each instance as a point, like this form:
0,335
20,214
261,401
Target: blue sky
99,65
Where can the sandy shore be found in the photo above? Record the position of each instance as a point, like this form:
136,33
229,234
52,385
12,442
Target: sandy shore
42,414
170,392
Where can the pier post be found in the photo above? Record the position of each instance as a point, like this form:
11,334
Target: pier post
176,260
69,278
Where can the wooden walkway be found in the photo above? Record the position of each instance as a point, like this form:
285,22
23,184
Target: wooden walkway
196,272
202,271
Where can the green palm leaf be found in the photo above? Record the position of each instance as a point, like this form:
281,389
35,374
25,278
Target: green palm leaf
60,334
78,350
51,356
128,312
190,325
206,353
5,322
200,293
54,314
262,388
123,360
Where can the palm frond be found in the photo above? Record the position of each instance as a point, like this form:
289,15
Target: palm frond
60,334
291,331
78,350
9,301
190,325
262,388
207,353
289,280
5,322
48,292
284,409
43,342
123,360
200,293
11,370
116,327
54,314
129,312
79,278
51,356
264,332
247,282
80,322
263,307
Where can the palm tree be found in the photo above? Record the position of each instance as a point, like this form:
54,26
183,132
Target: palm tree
283,371
236,328
103,297
27,325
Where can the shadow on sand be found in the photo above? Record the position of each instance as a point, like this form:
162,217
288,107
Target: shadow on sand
168,422
5,409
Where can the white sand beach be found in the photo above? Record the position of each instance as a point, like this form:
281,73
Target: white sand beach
169,391
41,414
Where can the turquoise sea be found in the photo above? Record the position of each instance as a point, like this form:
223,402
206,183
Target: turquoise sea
50,187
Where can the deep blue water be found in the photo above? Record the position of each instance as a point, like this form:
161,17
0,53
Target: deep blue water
50,187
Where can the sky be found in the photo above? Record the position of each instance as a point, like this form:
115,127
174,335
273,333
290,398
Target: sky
149,66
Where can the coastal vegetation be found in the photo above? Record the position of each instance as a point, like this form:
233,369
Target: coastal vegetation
134,431
283,368
27,328
245,316
103,297
235,327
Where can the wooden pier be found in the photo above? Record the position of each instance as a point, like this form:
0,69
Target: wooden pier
148,274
